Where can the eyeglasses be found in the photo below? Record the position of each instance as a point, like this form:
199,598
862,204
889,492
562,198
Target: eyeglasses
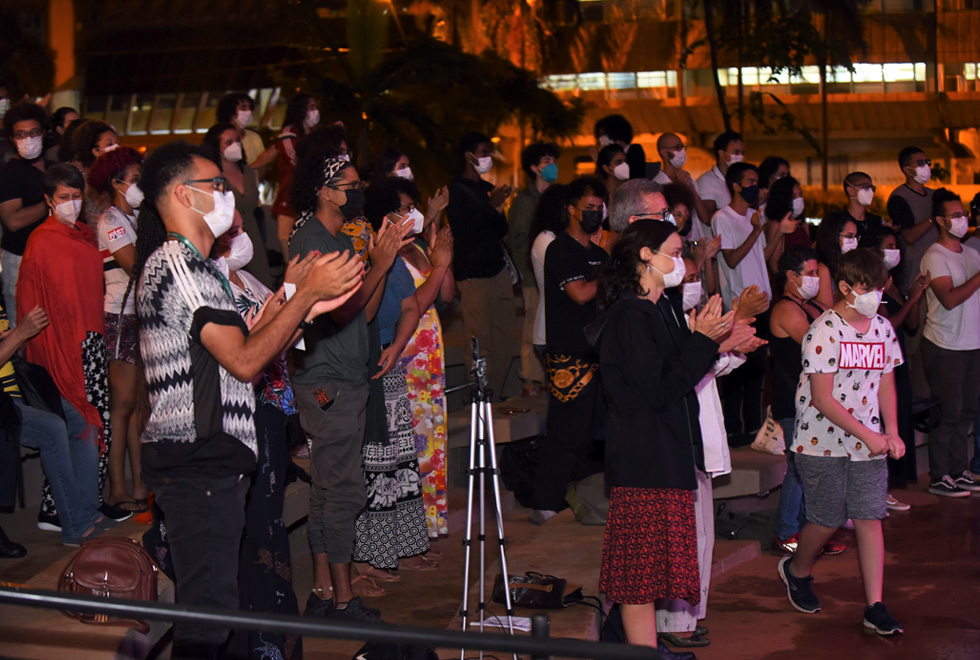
219,183
353,185
957,216
862,186
659,215
33,133
920,162
404,210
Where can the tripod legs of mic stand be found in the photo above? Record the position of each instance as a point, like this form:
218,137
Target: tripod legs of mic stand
482,446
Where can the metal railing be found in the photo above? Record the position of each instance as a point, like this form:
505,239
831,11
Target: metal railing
538,645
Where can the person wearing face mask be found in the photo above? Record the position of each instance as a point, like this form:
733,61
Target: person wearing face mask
332,373
540,164
677,620
393,162
239,110
92,139
200,443
59,120
22,205
651,358
616,129
575,416
744,251
860,192
673,157
476,216
296,125
611,167
116,175
780,212
910,210
846,422
223,147
835,235
265,557
712,188
903,313
789,323
62,273
951,346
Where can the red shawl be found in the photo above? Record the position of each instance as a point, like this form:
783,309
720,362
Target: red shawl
62,272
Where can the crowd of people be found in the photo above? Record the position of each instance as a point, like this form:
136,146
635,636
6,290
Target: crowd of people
148,326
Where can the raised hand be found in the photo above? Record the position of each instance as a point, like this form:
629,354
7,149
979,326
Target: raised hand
333,275
919,285
297,269
750,303
437,203
499,195
391,238
757,221
741,333
441,250
714,327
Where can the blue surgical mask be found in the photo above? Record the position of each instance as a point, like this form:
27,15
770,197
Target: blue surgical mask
550,172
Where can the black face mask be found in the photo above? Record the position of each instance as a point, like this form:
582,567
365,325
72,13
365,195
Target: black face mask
354,206
750,194
591,221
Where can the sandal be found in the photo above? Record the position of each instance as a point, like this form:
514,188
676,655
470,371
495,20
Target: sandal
694,641
379,574
424,564
372,591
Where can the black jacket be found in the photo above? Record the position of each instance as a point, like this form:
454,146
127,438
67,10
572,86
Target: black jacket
650,363
477,230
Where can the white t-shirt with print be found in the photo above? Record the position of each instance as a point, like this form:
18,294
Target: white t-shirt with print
956,329
832,346
734,229
116,230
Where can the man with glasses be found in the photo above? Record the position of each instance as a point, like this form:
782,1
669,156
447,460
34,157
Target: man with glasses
574,408
860,192
22,207
951,345
910,210
637,199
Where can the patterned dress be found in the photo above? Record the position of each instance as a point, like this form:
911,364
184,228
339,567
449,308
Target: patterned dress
425,366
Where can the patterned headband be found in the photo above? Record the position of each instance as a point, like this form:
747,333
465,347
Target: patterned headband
331,166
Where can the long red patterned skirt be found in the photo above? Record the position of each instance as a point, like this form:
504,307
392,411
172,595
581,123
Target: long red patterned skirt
650,549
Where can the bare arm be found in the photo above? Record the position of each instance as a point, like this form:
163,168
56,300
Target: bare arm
915,233
952,296
265,157
775,241
888,403
734,256
408,322
581,291
825,295
11,341
125,256
15,215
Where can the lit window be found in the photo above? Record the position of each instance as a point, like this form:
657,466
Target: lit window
970,71
621,80
899,72
588,81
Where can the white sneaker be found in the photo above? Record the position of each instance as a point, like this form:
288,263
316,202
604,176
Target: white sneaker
895,505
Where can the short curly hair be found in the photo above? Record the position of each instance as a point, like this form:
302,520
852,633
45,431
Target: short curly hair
86,136
23,111
110,166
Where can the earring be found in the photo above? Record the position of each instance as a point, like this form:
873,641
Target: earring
649,268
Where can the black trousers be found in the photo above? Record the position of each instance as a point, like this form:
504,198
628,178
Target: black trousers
741,390
571,449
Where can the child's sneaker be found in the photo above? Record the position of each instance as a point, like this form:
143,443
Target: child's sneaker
879,619
798,589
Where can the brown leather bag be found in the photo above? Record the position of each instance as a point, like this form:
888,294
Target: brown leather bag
113,567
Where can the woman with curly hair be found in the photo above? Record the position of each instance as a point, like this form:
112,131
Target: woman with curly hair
302,115
115,176
651,358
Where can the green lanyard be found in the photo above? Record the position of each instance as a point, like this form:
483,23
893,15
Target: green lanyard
191,246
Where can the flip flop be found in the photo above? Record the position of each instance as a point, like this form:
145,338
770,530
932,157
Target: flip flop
140,505
378,591
386,575
426,565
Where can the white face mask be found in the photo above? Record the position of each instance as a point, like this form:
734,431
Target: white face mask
866,304
233,152
312,118
604,141
243,118
4,106
111,147
922,174
68,211
692,295
222,265
241,251
892,258
736,158
622,171
848,244
674,277
809,287
30,148
958,227
865,196
484,164
679,158
418,220
405,173
798,204
222,216
134,196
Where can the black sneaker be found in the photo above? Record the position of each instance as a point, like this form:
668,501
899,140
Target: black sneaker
946,487
667,654
318,607
798,589
356,610
879,619
115,513
967,481
49,522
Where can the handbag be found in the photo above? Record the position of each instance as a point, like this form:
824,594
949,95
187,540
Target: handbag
37,386
769,439
111,567
532,590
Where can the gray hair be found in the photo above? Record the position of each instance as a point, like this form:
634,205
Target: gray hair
628,201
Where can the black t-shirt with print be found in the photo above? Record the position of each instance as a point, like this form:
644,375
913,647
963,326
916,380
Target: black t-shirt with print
567,261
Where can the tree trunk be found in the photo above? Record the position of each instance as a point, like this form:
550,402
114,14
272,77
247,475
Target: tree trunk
741,86
709,23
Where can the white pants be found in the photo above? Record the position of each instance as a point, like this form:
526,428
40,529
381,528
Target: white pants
678,616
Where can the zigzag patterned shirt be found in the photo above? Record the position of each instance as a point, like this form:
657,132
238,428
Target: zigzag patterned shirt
202,418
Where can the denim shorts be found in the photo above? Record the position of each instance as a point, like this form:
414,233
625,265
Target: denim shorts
836,488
